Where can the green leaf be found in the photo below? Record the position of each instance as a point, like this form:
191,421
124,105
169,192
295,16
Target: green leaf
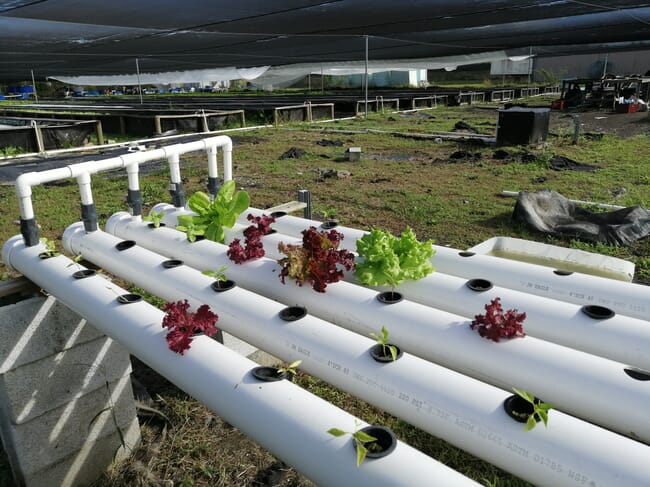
525,395
361,453
336,432
364,437
530,423
199,203
393,351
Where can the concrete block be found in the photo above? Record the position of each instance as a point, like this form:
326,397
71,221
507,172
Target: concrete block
29,391
39,327
59,433
353,153
83,467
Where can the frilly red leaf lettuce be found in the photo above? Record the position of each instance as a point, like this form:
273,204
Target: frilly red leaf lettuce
183,325
317,260
495,324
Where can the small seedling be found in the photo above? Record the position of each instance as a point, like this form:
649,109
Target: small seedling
51,247
218,274
383,341
191,229
289,369
75,261
329,214
155,217
360,438
540,409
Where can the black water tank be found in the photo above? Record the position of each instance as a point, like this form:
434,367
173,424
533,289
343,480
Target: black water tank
522,125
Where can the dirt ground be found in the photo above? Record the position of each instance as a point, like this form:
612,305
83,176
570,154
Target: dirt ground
605,122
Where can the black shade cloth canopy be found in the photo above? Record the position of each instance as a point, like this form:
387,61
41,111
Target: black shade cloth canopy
89,37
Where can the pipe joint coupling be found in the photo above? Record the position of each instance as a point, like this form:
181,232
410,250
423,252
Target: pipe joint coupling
29,230
89,217
134,200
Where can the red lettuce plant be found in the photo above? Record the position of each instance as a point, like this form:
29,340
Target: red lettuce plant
316,260
183,325
495,324
253,248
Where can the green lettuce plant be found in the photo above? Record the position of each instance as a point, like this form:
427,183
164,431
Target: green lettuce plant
213,216
391,260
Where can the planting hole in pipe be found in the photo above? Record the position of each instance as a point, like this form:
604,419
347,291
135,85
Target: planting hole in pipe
153,225
124,245
466,253
519,409
270,232
390,297
384,445
47,254
220,286
171,263
278,214
293,313
479,285
381,353
328,225
637,374
561,272
270,374
83,273
598,312
129,298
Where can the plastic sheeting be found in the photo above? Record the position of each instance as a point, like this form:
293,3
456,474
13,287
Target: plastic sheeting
64,38
549,212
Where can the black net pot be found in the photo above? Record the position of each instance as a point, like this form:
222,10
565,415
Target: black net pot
382,354
385,443
221,286
270,374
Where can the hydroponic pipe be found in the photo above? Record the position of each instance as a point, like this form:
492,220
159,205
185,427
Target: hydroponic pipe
462,410
622,297
272,413
26,181
589,329
576,382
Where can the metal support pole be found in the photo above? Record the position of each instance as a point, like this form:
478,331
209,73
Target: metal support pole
34,86
137,68
366,78
304,196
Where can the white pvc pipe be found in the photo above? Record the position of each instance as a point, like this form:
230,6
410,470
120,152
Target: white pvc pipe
576,382
83,181
270,413
583,289
620,338
462,410
26,181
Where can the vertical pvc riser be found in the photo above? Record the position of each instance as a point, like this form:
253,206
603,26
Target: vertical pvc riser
625,298
464,411
574,381
620,338
270,413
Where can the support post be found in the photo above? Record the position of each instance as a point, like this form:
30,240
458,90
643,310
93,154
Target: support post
304,196
137,68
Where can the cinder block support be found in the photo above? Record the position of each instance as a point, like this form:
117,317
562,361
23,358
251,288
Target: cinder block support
66,403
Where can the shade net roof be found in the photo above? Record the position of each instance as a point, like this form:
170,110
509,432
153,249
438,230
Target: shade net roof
73,38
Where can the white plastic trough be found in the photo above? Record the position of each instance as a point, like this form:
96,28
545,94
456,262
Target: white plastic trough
464,411
576,382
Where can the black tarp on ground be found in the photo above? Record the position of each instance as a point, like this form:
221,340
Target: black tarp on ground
549,212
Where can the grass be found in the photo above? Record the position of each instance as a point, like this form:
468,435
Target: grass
398,182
